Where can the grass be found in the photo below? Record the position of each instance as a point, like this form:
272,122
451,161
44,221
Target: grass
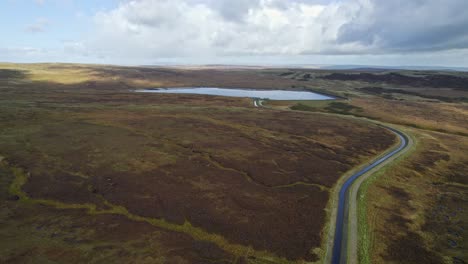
42,234
400,216
255,192
409,192
439,117
186,228
144,164
364,235
19,180
337,107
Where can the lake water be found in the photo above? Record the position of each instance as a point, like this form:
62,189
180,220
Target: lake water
262,94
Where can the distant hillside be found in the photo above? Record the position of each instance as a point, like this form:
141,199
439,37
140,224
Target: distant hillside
379,68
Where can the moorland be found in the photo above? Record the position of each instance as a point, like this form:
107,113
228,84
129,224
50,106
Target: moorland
93,172
414,210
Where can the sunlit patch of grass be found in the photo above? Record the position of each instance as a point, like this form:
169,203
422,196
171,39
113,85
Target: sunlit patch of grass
442,117
20,179
146,83
51,73
76,73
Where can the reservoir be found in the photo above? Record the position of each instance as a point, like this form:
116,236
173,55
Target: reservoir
262,94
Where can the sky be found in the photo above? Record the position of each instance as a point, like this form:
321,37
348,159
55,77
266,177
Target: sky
252,32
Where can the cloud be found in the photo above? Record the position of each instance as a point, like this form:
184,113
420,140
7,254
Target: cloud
408,26
38,26
163,28
39,2
235,11
198,28
158,30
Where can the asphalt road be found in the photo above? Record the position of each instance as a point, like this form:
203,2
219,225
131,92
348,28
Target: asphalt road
340,241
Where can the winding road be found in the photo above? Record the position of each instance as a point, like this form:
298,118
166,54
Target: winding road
343,241
340,241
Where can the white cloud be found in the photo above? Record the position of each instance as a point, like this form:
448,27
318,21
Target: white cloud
186,28
146,31
166,28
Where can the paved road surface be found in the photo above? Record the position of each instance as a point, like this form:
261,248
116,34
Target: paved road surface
340,242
